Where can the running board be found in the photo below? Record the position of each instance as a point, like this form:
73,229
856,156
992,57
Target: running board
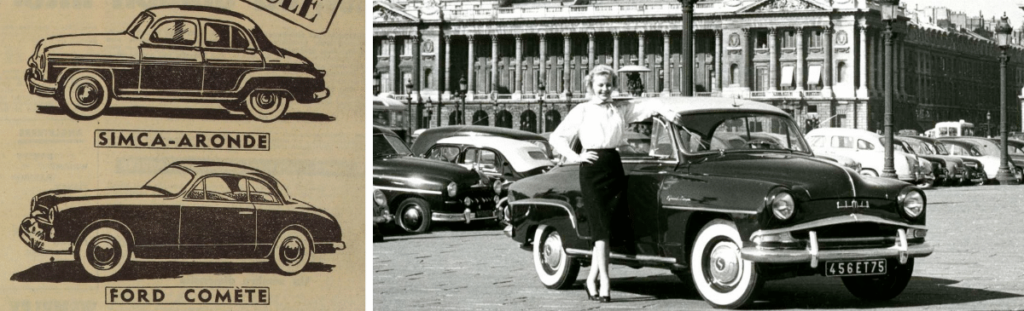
645,260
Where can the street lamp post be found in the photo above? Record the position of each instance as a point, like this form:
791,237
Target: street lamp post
889,15
408,90
988,124
540,98
376,83
1003,30
462,96
687,48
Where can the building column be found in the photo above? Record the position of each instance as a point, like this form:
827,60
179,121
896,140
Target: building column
447,68
471,71
494,64
773,61
416,59
590,51
800,59
518,81
393,66
543,40
566,71
641,58
666,89
717,87
744,76
862,91
826,90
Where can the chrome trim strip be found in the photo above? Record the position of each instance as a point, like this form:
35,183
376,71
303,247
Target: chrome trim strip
708,209
134,258
573,251
549,202
796,256
449,217
851,218
409,190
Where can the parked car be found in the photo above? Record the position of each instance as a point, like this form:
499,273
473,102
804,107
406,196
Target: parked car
728,217
1016,154
500,159
986,151
952,170
175,53
391,114
190,210
864,147
429,137
421,191
381,214
845,161
933,170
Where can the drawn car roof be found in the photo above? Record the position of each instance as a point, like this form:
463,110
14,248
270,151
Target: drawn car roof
203,168
515,151
203,12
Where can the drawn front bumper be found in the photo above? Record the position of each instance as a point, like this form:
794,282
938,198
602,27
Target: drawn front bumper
34,236
36,86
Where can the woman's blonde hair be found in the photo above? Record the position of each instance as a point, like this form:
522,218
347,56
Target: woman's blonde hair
601,70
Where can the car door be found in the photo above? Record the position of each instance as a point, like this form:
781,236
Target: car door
171,59
221,223
228,53
645,176
271,215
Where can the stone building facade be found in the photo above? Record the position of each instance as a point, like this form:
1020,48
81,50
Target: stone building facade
818,60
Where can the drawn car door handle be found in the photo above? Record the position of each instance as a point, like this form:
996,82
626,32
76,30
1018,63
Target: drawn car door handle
245,213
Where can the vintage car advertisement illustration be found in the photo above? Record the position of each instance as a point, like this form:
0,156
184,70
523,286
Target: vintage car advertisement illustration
175,53
182,154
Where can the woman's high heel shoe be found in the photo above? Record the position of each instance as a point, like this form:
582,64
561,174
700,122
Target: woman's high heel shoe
589,296
603,299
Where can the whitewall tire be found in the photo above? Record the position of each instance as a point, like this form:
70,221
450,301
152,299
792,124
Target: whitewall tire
719,273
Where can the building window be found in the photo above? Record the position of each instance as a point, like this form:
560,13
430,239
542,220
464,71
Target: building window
841,68
734,71
761,40
815,39
788,40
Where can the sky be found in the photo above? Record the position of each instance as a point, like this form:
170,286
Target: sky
971,7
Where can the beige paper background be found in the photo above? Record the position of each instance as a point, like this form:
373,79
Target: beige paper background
319,162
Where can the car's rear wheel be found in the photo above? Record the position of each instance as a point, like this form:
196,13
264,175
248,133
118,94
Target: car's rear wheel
103,252
83,95
883,287
720,274
291,252
555,268
266,106
413,215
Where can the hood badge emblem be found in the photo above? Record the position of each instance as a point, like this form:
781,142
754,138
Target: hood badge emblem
852,204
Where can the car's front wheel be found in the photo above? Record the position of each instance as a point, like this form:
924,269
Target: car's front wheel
883,287
555,268
83,95
720,274
266,106
103,252
413,215
291,252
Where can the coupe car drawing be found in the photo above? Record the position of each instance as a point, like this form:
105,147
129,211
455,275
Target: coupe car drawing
199,211
175,53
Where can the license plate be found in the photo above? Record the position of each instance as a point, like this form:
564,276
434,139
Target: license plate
484,214
856,267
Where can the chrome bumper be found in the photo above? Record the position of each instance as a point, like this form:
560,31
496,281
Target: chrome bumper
38,87
466,216
321,95
33,237
812,254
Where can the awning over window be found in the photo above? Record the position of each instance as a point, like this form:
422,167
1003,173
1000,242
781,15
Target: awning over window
787,76
814,75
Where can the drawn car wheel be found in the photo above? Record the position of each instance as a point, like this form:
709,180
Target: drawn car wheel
413,215
266,106
881,287
720,274
868,172
291,252
84,95
555,268
103,252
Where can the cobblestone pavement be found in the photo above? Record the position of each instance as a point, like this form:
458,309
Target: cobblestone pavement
978,264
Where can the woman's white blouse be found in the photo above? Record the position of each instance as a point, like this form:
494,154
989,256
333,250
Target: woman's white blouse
599,125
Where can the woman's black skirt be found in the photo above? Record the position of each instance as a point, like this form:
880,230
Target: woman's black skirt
602,184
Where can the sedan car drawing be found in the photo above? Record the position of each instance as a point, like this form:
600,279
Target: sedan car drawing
190,210
175,53
730,216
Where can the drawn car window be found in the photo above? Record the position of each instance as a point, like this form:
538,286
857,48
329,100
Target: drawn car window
225,36
842,142
443,153
238,40
177,32
260,193
169,181
198,192
139,25
226,189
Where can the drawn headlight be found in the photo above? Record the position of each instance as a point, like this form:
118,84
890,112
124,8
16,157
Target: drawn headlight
453,189
782,205
912,203
379,198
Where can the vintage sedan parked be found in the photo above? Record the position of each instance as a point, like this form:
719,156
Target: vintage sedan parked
421,191
429,137
865,147
954,168
983,150
500,159
175,53
381,214
190,210
729,217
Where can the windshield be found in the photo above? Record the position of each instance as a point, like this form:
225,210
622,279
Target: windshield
387,145
170,181
139,25
920,147
722,132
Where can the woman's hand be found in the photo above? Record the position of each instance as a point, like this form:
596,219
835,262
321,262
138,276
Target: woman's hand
587,157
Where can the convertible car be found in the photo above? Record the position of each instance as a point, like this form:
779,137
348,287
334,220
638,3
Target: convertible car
190,210
726,209
175,53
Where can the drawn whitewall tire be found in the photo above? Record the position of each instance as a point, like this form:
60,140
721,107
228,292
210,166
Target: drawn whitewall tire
555,269
103,252
291,252
413,215
266,106
84,95
234,106
720,274
882,287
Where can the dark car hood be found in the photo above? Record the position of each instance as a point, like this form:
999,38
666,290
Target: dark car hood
107,45
426,168
51,198
817,178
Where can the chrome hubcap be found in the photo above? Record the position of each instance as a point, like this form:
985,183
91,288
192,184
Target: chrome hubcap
552,252
725,264
103,252
292,251
412,217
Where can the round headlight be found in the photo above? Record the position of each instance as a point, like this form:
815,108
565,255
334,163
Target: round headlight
379,198
453,189
913,203
497,186
782,205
